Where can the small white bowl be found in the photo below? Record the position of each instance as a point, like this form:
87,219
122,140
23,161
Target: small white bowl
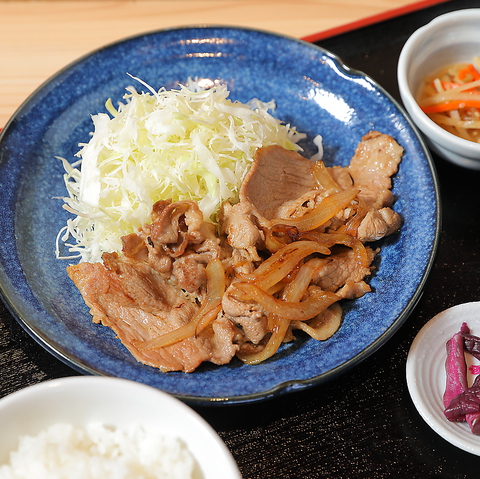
426,375
117,403
450,38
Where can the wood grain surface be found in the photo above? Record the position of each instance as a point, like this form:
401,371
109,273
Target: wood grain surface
38,38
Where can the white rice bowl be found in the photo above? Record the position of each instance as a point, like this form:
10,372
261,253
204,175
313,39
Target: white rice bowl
95,427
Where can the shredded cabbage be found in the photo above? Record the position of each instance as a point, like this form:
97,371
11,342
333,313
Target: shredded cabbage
182,144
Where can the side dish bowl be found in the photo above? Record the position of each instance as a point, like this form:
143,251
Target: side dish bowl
426,375
113,402
449,38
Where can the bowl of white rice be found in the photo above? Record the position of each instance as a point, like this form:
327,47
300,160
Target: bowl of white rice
90,427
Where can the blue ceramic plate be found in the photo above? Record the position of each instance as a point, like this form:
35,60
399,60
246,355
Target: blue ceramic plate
314,91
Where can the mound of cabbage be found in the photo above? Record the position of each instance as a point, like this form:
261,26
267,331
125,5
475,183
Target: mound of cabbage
182,144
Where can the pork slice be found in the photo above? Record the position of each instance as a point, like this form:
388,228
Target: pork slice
248,315
177,231
189,271
353,290
239,224
227,340
174,226
378,224
137,247
138,304
343,268
279,184
133,246
139,282
278,181
375,160
207,240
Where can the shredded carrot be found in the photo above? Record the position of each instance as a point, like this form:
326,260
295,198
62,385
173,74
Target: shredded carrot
451,105
451,97
469,70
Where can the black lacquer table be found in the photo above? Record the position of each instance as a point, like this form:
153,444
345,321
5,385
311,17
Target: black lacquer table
363,423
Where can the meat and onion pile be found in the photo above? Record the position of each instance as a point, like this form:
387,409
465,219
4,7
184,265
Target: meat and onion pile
184,291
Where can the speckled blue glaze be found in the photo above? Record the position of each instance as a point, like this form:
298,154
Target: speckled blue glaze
314,91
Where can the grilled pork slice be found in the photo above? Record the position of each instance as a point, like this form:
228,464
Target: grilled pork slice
342,274
138,305
375,160
281,184
277,185
278,182
145,292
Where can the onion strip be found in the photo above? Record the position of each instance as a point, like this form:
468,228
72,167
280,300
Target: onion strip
303,278
324,211
323,177
279,236
279,331
328,324
279,325
291,310
330,239
275,268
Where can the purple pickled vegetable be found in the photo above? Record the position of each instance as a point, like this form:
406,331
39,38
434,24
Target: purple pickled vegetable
462,403
473,421
466,403
456,367
472,344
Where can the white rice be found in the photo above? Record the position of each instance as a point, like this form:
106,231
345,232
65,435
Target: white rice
63,451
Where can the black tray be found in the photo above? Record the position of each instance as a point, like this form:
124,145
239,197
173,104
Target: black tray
362,424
